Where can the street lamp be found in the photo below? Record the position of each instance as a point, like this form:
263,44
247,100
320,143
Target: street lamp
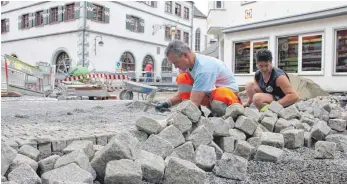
101,43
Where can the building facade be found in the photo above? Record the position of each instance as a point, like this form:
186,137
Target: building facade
97,34
306,39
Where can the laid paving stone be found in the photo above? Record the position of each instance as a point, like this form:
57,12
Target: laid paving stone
68,173
180,121
123,171
269,123
281,124
152,166
245,124
24,174
237,134
325,150
12,143
231,166
78,157
8,154
308,139
45,148
272,139
252,113
58,145
227,144
234,111
172,135
244,149
338,124
293,138
200,136
22,159
29,152
182,171
47,164
85,146
268,154
320,130
205,157
157,145
219,151
149,125
185,151
275,107
189,109
254,141
340,140
289,112
220,126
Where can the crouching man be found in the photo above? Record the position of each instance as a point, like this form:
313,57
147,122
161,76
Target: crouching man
204,80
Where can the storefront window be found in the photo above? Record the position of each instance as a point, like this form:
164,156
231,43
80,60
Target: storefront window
311,53
258,46
242,57
288,54
341,52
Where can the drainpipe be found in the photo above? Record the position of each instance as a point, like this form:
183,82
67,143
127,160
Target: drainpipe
84,30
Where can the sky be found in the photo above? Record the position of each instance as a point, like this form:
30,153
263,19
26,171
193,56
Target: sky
202,6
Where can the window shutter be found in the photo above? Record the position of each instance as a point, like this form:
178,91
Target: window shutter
31,16
45,17
77,10
107,15
142,25
20,22
90,13
60,13
50,17
7,25
127,22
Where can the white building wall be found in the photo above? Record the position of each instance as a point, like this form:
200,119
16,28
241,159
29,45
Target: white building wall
326,80
200,23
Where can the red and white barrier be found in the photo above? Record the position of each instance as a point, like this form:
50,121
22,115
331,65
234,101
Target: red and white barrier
106,76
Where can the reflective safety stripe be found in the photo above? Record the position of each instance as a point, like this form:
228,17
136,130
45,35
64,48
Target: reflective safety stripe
185,87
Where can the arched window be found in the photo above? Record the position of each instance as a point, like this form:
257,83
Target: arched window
166,67
59,61
128,62
197,40
147,59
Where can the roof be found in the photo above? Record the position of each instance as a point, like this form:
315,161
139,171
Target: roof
337,11
197,13
212,50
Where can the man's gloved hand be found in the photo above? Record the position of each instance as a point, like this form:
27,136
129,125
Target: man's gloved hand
162,106
266,107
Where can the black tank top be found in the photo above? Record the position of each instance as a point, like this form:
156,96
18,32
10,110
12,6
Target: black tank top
271,87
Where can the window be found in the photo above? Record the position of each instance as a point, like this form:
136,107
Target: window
3,3
178,35
178,9
69,12
25,21
341,51
167,33
150,3
39,18
98,12
300,53
197,40
242,57
186,37
5,26
54,15
168,6
218,4
288,54
186,13
166,68
128,62
134,24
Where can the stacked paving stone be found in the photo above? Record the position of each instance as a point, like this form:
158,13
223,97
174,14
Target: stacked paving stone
181,148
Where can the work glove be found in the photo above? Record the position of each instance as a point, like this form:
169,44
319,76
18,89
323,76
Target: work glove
266,107
162,106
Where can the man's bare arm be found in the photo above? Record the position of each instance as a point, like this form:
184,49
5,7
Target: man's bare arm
291,96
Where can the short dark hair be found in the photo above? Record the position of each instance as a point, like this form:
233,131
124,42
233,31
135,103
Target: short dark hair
264,55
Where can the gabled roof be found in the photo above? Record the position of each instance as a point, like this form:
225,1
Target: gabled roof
197,13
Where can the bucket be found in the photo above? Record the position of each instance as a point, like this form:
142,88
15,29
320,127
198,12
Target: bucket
343,102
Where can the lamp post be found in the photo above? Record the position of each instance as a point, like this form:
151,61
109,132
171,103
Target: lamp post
101,43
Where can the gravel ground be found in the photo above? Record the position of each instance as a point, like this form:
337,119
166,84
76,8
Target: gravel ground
31,116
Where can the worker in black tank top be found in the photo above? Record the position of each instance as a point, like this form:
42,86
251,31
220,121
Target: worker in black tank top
270,84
